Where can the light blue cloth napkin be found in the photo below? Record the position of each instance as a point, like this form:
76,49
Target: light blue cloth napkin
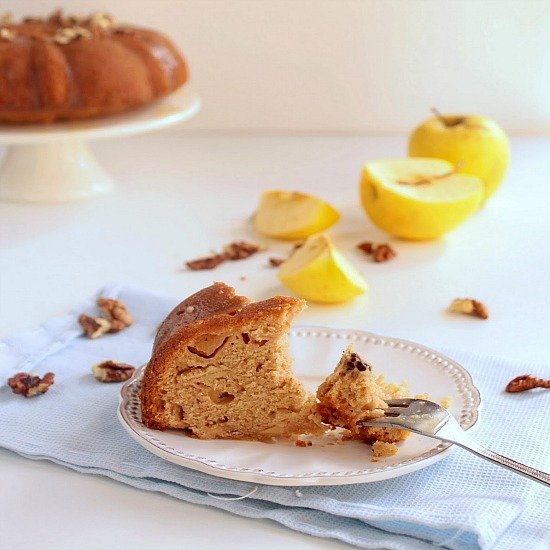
461,502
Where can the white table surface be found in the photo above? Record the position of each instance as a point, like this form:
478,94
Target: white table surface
179,196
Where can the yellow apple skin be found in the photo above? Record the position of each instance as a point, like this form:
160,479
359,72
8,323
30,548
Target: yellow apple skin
318,272
476,145
292,215
417,213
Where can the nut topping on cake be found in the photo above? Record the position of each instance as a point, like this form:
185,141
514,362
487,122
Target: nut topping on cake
68,34
7,34
103,20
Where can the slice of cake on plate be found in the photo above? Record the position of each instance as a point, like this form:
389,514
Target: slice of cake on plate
220,368
352,393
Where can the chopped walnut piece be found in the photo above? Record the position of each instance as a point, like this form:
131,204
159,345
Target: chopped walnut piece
239,250
276,262
65,35
30,384
526,382
112,371
383,253
103,20
380,252
381,448
206,262
366,247
469,306
94,327
116,313
7,34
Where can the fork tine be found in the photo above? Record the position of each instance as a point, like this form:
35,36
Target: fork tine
398,402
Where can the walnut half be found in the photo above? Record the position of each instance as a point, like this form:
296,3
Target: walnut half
526,382
112,371
94,327
30,384
116,313
469,306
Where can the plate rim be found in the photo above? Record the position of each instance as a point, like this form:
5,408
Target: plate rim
212,467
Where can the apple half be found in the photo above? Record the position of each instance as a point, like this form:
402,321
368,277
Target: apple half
418,198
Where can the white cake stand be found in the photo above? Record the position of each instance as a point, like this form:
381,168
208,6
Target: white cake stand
53,163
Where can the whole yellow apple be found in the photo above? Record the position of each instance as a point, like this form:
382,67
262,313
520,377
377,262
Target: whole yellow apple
475,145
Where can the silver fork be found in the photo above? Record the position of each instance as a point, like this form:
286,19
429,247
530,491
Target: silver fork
430,419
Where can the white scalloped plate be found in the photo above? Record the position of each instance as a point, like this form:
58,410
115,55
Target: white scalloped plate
316,351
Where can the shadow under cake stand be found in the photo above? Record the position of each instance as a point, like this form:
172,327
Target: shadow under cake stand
54,163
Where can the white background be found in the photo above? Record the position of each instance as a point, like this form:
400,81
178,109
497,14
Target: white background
373,66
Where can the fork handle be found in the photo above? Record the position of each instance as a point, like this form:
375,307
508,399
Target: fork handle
487,454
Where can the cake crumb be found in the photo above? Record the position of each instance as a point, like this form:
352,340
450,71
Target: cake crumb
446,402
424,396
381,448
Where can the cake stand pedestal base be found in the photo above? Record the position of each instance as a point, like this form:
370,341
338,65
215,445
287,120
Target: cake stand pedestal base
50,163
51,172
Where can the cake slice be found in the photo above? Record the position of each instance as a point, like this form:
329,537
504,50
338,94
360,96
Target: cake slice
352,393
220,368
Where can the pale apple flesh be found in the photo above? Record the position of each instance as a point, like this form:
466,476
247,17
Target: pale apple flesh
476,145
293,215
418,198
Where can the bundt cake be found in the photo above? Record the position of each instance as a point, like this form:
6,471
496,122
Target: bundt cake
352,393
65,68
220,369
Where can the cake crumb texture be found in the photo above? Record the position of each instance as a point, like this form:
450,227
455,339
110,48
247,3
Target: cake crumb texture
220,368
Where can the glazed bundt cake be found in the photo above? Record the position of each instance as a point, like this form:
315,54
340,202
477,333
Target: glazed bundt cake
65,68
220,369
352,393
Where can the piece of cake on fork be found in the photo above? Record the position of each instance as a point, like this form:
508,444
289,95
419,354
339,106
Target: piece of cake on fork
354,392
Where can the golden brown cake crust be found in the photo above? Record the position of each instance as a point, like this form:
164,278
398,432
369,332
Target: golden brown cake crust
216,309
67,68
